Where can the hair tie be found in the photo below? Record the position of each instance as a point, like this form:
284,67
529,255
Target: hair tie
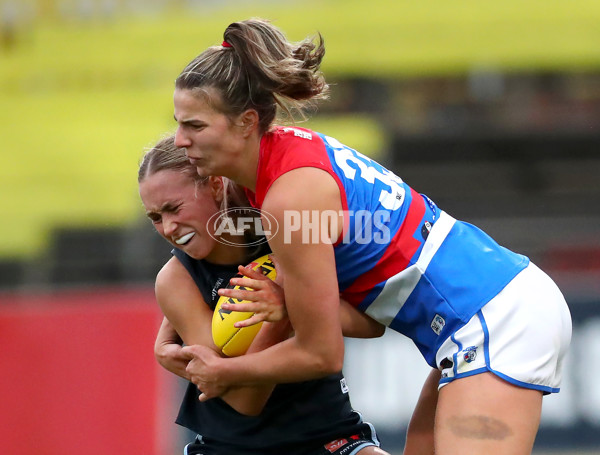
226,44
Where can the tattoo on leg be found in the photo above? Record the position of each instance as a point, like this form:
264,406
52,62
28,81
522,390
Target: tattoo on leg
479,427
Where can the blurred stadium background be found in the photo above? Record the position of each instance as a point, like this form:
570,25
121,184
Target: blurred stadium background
491,109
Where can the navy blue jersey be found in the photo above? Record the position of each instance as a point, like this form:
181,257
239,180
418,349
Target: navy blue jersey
298,414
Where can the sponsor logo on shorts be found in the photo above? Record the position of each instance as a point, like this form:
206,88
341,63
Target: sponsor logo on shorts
335,445
470,354
438,324
343,446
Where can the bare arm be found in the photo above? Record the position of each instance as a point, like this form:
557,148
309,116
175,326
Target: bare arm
355,324
311,295
167,350
190,318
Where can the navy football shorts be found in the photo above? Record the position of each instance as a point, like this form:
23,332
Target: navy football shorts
349,444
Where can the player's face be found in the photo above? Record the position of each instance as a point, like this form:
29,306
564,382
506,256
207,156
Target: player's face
180,211
212,142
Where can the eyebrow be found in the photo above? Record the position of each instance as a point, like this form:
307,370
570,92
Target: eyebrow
166,207
189,122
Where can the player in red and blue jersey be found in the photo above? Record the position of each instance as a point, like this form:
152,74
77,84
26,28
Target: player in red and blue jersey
492,325
399,258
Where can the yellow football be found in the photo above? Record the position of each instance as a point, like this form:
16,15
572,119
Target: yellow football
235,341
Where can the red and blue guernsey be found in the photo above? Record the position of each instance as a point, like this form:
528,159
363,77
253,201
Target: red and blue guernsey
401,260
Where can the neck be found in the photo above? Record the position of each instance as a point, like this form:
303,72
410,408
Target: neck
245,174
227,255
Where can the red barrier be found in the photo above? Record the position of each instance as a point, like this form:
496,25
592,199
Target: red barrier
78,374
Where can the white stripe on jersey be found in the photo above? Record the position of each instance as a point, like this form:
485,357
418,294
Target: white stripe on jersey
398,288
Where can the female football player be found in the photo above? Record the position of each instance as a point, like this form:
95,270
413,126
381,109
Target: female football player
306,418
491,324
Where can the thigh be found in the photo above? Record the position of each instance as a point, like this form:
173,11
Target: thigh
372,451
485,414
419,436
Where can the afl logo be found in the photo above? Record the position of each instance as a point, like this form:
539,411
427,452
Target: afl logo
470,354
242,226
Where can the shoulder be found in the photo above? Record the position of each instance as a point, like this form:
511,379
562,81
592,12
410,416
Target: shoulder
305,200
180,299
173,275
279,135
308,187
279,142
172,269
286,149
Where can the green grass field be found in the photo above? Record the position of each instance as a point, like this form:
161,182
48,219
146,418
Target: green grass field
80,101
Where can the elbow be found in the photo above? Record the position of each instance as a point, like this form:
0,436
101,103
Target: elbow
379,331
336,365
330,361
320,355
327,367
160,355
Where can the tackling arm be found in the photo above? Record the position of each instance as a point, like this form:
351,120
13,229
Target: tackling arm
190,318
311,294
167,350
355,324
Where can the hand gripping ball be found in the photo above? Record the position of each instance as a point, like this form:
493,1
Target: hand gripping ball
235,341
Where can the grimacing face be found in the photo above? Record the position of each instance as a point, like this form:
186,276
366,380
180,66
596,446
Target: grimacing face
179,210
212,142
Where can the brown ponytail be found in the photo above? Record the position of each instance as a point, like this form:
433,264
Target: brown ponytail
257,68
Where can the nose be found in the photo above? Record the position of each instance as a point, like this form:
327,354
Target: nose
181,140
169,225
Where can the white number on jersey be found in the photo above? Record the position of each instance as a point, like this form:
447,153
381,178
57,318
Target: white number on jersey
391,199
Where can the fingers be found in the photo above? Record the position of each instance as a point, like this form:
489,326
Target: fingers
239,294
218,391
251,273
242,307
188,352
254,319
177,354
248,282
247,287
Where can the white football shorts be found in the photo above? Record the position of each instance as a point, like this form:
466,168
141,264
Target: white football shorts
521,335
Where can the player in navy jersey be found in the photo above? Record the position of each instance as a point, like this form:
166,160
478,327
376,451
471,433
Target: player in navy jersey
306,418
493,327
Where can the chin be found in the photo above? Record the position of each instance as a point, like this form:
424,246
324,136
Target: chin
202,171
196,253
